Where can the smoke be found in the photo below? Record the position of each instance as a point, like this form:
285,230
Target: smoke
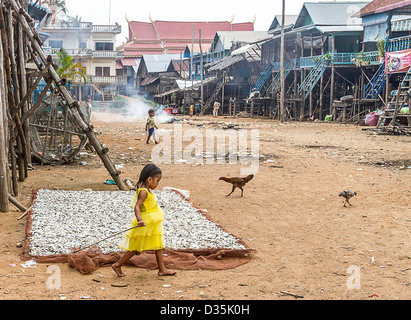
130,109
137,108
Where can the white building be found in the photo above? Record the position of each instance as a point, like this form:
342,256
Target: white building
94,47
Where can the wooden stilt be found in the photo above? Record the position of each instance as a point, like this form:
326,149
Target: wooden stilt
332,80
4,184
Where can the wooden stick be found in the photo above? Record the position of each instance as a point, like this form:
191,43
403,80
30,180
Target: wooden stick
93,244
292,294
129,184
397,100
4,185
17,203
25,213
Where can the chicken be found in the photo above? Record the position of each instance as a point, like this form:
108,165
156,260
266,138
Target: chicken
347,195
237,182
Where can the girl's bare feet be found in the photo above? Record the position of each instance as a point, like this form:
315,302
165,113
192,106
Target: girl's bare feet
117,270
166,273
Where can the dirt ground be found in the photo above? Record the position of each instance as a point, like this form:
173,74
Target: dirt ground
305,241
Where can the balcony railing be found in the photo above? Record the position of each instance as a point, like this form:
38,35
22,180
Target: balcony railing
70,52
86,52
107,28
295,64
85,26
70,25
102,80
107,54
108,79
372,57
398,44
344,58
308,62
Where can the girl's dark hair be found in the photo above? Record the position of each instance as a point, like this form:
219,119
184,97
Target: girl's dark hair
150,170
150,111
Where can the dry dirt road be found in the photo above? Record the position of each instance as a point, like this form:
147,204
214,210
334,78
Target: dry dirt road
305,241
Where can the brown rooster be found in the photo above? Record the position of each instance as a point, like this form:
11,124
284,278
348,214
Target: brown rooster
237,182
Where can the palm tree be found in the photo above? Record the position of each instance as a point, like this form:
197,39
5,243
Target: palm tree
75,20
68,68
60,5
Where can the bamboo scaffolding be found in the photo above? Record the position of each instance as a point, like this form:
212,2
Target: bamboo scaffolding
19,45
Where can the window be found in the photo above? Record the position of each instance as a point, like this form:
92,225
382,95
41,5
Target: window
83,45
104,46
102,71
56,44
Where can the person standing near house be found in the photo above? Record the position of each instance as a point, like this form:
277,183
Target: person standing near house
232,106
216,108
198,108
88,109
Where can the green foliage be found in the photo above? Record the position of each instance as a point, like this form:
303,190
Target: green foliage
327,56
67,68
381,46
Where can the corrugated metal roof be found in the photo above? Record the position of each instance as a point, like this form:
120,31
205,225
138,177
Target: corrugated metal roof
330,13
228,37
336,29
288,21
156,63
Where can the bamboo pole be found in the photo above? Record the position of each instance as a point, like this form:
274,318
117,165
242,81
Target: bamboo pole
23,158
397,106
4,185
282,97
17,203
22,52
332,79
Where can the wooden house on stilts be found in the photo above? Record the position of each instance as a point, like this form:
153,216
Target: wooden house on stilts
387,28
320,48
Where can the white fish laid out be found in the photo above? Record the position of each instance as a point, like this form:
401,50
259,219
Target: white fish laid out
63,220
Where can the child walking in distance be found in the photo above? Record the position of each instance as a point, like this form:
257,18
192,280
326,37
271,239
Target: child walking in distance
150,125
148,220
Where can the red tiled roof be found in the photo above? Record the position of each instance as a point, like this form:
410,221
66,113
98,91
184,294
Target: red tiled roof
139,53
379,5
246,26
142,31
119,65
173,36
137,45
184,30
400,4
129,62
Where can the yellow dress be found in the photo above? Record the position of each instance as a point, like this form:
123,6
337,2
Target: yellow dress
151,236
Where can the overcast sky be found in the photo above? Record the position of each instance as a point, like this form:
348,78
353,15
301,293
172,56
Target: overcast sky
98,12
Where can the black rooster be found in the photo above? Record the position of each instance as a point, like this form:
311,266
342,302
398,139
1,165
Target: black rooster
347,195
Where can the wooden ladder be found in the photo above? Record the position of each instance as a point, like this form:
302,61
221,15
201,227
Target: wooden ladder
399,97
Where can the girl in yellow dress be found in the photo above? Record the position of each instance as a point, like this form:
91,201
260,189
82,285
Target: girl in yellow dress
149,231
